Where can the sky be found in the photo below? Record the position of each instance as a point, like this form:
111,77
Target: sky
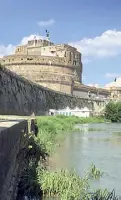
93,26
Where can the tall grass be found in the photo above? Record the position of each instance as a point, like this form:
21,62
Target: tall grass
64,184
94,172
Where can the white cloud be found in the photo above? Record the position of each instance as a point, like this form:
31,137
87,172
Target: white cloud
6,50
49,22
106,45
112,75
94,85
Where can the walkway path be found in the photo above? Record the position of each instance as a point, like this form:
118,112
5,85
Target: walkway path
6,121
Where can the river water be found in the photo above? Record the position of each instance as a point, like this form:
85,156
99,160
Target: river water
101,147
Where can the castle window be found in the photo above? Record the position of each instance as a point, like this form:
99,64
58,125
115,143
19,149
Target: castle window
35,42
70,56
29,58
75,56
65,54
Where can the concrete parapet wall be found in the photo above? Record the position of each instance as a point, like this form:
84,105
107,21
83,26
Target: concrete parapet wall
11,158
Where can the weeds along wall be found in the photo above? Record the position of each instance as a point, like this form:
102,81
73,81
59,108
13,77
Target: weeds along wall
19,96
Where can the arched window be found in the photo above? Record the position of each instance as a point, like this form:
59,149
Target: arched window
70,56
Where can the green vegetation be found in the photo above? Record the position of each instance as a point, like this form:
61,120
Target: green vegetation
95,129
67,184
94,172
37,179
113,111
102,194
83,120
63,183
52,129
117,133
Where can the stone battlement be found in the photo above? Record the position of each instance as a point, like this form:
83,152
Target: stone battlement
33,59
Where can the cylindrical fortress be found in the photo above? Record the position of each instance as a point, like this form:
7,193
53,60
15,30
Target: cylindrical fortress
55,67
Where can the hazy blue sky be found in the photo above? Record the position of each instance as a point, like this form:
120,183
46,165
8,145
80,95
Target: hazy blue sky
93,26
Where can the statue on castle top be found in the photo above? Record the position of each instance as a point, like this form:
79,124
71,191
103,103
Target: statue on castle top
35,37
47,34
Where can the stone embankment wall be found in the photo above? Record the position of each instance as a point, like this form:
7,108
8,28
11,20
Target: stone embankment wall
12,158
19,96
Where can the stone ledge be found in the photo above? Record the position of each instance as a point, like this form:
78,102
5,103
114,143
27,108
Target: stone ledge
43,60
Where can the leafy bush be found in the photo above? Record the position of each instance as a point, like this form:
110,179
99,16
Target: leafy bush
113,111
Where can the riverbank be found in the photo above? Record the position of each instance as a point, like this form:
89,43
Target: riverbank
37,179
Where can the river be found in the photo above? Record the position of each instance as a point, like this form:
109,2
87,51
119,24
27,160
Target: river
101,147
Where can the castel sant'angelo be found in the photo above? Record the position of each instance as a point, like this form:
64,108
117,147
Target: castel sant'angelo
55,66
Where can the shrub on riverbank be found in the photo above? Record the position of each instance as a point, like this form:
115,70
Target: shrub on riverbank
113,111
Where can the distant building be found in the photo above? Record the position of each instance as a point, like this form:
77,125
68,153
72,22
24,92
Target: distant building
83,112
114,88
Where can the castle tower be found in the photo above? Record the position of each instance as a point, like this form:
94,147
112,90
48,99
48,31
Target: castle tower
52,66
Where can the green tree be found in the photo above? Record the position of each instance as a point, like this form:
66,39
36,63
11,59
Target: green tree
118,105
113,111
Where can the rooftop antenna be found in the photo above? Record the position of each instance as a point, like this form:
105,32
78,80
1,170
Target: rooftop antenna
47,35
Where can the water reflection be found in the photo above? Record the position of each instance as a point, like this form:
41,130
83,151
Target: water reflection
103,148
